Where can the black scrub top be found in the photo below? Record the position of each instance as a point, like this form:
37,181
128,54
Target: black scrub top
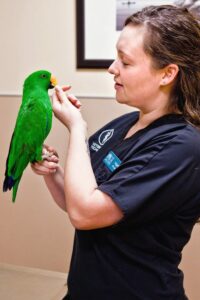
154,177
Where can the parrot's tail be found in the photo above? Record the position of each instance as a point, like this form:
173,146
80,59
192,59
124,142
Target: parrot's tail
15,188
10,183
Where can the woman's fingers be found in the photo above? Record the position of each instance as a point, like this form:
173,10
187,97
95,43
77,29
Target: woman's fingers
66,88
74,100
66,108
62,97
49,153
52,158
44,167
49,164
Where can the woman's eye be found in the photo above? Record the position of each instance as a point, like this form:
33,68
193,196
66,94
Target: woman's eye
125,63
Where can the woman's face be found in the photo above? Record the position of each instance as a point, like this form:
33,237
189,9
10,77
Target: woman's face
137,83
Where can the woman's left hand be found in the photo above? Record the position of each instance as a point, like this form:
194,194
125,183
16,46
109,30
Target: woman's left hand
66,108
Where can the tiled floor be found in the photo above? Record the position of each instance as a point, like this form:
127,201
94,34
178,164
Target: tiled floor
19,283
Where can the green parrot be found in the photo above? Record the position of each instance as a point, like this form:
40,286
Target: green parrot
32,126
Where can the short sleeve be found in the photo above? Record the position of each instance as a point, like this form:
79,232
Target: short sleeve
156,181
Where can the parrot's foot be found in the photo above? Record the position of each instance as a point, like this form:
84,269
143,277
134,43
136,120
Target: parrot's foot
46,154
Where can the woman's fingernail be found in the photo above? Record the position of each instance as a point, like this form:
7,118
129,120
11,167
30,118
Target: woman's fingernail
66,87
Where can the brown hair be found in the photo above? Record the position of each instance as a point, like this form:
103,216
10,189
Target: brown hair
173,36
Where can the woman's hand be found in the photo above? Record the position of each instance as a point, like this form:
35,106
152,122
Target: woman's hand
67,108
49,164
52,173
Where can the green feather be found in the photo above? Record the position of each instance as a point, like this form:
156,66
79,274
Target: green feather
32,126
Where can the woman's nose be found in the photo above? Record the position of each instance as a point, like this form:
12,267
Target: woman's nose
113,68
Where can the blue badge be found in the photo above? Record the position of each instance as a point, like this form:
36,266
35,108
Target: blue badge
111,161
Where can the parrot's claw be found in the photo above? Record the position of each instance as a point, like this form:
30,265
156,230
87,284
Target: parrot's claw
46,154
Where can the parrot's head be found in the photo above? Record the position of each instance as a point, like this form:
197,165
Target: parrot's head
41,79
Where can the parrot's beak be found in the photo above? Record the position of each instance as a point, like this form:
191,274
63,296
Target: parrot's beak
53,81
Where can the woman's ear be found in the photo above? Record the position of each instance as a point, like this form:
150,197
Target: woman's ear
169,74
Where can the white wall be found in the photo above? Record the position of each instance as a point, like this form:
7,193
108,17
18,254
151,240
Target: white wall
40,34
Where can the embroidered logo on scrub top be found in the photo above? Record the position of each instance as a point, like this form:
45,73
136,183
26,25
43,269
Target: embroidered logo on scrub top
102,139
105,136
112,161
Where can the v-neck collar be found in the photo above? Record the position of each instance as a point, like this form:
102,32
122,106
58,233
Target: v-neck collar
165,119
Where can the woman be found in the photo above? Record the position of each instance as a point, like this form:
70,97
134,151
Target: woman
136,198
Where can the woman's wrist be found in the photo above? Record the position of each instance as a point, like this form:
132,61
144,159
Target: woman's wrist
80,127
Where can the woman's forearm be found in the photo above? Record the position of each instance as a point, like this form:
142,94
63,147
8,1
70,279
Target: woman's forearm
55,184
79,181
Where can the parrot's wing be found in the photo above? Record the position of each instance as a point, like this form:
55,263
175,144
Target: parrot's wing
32,126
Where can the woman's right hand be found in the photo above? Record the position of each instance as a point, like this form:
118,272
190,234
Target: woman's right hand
49,164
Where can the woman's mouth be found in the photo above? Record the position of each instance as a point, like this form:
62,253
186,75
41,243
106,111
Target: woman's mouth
118,86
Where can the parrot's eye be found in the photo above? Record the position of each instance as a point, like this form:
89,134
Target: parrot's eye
43,76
